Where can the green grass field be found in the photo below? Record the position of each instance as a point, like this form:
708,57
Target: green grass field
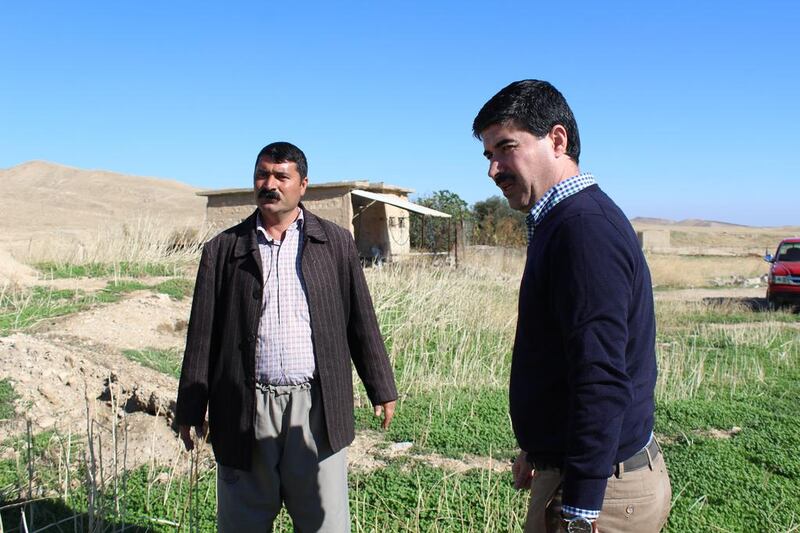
20,309
727,400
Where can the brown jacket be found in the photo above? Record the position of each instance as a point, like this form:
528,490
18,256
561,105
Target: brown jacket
219,362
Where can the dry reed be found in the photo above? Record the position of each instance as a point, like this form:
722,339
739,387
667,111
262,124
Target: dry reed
702,271
139,241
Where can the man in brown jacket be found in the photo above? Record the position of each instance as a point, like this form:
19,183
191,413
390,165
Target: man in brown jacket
280,309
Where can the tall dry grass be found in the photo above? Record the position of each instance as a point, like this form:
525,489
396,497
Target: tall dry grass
706,350
138,241
676,271
446,327
733,238
666,270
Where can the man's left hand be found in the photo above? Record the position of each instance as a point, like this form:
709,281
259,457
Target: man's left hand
387,409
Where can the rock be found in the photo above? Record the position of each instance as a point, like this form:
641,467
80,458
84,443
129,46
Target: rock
50,393
400,446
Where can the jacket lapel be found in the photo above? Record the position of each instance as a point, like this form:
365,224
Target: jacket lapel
247,243
314,262
312,227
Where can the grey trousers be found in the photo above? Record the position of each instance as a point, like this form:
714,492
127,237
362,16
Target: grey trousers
292,465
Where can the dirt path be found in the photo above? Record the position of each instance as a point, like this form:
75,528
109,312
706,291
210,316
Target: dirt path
371,451
141,320
696,295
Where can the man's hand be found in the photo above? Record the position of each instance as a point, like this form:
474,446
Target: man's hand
186,436
387,409
522,471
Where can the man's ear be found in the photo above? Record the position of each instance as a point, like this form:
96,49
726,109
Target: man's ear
559,138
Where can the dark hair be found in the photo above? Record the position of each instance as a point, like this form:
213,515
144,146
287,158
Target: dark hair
531,105
283,152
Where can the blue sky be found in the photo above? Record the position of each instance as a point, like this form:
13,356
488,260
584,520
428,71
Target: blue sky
685,109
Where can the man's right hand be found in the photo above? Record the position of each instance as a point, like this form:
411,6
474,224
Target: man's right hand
522,471
186,435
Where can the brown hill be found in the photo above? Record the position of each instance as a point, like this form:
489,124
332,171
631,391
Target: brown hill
38,198
700,223
652,221
689,222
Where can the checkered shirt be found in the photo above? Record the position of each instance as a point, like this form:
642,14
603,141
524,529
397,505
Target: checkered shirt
577,511
284,350
556,193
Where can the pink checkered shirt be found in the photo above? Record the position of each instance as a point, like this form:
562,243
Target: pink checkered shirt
284,350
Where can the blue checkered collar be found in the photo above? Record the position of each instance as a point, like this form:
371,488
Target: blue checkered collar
558,192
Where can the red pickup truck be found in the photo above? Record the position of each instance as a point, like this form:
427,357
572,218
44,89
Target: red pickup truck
784,274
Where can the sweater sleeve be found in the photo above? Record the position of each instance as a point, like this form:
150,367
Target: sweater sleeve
591,293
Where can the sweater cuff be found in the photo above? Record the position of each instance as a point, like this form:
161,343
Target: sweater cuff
584,493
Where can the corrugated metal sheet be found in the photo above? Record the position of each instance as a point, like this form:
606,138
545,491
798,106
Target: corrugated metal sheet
402,204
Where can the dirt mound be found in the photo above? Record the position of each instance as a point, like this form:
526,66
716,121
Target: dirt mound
69,389
13,272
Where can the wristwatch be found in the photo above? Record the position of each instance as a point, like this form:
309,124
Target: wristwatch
578,524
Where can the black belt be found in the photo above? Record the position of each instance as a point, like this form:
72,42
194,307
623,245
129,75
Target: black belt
640,459
637,461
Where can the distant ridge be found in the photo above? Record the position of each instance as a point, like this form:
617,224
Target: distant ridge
689,222
653,221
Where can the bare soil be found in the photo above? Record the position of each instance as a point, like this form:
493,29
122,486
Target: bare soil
71,377
697,295
72,389
13,272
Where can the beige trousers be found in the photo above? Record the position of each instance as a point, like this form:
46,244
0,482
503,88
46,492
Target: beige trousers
635,502
292,465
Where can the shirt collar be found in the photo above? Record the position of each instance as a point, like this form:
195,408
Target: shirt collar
296,225
555,194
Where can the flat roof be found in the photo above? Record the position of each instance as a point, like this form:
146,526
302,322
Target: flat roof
374,186
399,202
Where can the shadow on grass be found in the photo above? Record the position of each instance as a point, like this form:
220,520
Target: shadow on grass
757,305
55,515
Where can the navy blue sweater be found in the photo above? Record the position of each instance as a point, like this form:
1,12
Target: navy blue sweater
584,369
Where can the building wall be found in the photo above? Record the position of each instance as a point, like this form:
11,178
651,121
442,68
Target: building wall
399,231
226,210
332,204
653,239
381,225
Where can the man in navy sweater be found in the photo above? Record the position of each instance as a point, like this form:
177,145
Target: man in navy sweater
583,370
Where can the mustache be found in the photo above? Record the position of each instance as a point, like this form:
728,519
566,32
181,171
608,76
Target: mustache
268,194
502,177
